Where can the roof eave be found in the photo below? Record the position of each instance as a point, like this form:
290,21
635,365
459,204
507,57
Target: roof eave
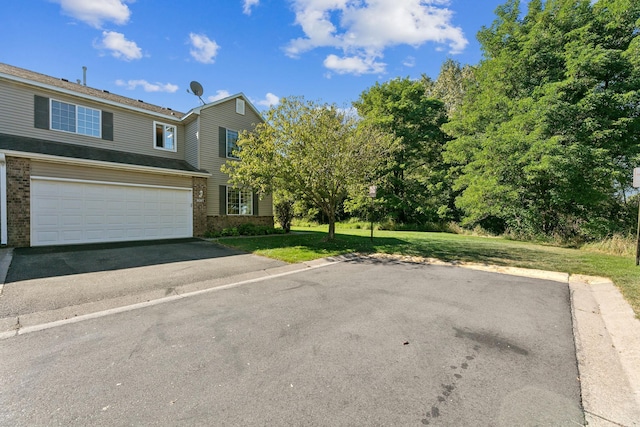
103,164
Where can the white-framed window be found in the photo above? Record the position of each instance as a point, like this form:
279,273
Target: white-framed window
240,106
165,137
75,118
239,201
232,143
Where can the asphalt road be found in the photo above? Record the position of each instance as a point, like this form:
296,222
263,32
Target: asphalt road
353,343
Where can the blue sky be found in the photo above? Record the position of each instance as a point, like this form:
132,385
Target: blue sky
326,50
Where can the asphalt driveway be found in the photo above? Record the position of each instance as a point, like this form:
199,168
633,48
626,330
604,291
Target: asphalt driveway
63,277
352,343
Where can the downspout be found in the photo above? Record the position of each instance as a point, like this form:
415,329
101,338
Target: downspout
3,199
198,143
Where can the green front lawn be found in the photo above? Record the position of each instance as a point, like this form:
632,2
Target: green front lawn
306,244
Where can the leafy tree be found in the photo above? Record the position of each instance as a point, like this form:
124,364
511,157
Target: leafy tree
315,152
411,184
451,85
547,136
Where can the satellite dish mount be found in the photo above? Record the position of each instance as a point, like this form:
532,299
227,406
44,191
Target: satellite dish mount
197,90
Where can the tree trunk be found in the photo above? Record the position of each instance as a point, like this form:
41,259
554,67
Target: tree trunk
332,225
332,229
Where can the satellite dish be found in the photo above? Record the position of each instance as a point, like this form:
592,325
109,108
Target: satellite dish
197,90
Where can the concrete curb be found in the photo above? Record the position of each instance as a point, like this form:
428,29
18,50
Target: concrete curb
6,255
607,337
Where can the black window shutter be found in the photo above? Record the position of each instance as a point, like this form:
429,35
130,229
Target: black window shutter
41,112
222,139
107,126
256,199
223,200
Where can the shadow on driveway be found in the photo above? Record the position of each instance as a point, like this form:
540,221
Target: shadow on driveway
54,261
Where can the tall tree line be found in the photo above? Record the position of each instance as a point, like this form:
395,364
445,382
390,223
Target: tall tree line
539,138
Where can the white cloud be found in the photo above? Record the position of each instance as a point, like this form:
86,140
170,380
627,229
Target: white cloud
204,50
148,87
220,94
409,61
363,30
269,100
119,46
354,65
95,12
248,4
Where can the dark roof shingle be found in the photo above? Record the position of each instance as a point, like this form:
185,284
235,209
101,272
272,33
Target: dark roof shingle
75,151
86,90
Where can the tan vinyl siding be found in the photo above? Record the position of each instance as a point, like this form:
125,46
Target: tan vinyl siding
191,147
211,118
61,170
265,206
132,131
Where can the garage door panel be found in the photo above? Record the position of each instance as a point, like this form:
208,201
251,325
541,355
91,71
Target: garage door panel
115,205
66,212
166,220
73,235
46,189
48,237
93,192
70,204
150,207
47,204
47,220
134,205
115,220
95,205
116,234
96,235
71,192
70,221
95,220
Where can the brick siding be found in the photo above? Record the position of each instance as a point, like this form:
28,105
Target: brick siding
18,202
199,206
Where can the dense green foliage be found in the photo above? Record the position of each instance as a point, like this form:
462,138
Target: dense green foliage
549,131
538,140
411,186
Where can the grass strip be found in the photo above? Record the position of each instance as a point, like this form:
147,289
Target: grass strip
306,244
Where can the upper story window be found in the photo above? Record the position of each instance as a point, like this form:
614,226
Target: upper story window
75,118
232,143
165,136
240,106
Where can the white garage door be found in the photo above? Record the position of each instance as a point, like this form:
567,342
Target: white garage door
67,212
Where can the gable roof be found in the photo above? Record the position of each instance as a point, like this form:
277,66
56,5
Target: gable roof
223,100
44,81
